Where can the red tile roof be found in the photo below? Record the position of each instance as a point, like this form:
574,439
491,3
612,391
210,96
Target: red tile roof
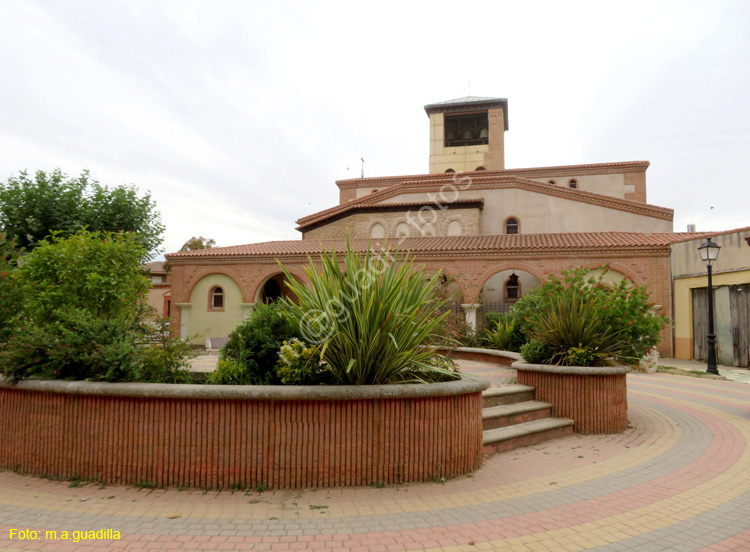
448,244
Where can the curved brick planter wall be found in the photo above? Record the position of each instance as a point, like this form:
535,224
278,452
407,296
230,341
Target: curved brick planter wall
222,436
595,398
502,358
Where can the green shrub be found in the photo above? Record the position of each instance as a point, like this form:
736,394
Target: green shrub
580,356
623,307
76,346
230,372
164,360
84,315
299,364
371,318
535,352
504,334
10,295
255,344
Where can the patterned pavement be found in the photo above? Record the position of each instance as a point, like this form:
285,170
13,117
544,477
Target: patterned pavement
677,480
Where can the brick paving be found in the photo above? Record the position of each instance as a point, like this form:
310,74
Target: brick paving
678,479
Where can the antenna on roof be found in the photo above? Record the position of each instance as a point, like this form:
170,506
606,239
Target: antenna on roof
363,167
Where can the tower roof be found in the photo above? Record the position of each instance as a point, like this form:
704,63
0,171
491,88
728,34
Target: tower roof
469,103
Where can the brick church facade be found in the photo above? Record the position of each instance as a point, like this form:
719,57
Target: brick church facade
496,232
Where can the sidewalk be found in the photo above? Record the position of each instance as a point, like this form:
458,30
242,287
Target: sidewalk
677,480
729,372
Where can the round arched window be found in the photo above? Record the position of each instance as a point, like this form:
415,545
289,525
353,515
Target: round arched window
216,298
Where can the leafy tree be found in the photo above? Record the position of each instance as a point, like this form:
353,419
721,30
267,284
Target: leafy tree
31,208
83,315
96,272
195,243
10,296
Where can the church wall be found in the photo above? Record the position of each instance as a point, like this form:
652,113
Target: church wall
205,322
651,267
540,213
360,225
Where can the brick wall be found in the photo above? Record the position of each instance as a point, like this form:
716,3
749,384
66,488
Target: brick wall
221,443
644,267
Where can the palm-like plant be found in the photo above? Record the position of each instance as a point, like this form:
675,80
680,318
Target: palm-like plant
370,319
573,328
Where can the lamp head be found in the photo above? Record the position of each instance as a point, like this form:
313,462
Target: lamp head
709,251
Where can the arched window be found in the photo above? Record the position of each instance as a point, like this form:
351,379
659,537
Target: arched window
512,289
402,230
512,226
216,298
551,182
377,231
573,183
480,168
450,171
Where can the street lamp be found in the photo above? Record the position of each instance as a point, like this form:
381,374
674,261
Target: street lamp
709,251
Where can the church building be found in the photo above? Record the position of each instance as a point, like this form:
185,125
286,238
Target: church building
495,232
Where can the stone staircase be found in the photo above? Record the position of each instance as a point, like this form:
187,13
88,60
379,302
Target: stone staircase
512,418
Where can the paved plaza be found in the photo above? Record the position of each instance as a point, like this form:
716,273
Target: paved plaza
678,479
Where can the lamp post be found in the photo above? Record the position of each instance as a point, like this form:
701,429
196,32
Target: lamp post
709,251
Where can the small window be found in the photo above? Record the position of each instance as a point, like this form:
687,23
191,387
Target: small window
480,169
573,183
450,171
551,182
512,226
216,298
512,289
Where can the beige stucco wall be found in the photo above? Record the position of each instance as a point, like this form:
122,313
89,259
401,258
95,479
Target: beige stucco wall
541,213
493,289
207,323
359,225
731,268
734,255
156,298
683,305
607,184
467,158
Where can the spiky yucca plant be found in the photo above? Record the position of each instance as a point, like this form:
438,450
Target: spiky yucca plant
370,319
572,328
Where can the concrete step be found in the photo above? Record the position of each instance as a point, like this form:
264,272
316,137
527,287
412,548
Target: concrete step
521,435
505,415
508,394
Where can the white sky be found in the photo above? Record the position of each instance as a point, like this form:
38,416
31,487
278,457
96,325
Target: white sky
239,116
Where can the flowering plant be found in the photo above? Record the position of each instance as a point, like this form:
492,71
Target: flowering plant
623,310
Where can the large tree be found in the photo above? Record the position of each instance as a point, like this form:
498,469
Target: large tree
199,242
31,208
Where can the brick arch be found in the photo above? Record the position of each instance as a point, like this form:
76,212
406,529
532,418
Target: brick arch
455,277
261,280
382,222
509,265
214,270
625,271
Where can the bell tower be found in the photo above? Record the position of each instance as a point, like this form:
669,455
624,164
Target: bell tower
467,134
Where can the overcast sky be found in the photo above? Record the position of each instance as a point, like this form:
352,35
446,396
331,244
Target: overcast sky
238,116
